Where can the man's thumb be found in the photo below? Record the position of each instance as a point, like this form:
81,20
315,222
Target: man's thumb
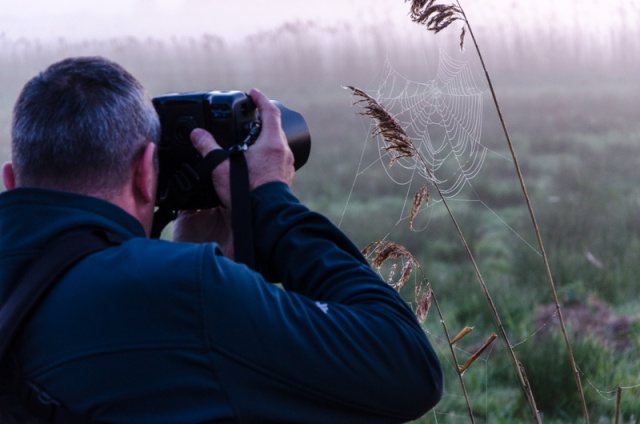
203,141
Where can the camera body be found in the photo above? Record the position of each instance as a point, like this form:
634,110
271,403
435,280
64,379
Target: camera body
231,117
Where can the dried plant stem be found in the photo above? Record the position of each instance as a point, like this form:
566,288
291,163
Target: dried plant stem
461,334
494,311
618,403
545,259
477,353
453,354
401,146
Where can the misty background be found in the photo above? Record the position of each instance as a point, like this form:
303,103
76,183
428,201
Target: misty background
566,74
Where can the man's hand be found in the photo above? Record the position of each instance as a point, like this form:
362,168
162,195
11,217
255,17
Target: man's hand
205,226
268,159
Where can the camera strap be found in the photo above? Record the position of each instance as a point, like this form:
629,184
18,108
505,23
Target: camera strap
241,220
188,180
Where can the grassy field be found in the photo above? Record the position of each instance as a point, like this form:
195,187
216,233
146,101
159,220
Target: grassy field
576,130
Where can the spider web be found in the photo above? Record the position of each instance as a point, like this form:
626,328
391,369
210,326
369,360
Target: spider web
443,118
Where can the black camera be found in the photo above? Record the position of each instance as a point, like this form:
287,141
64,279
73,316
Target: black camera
233,120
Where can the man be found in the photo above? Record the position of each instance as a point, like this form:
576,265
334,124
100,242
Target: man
153,331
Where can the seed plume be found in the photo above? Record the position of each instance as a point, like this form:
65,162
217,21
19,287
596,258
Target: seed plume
384,251
423,303
436,17
421,196
396,139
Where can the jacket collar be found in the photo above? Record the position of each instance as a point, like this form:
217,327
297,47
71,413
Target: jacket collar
30,216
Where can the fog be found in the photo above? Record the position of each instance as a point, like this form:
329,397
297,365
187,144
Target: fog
76,20
565,72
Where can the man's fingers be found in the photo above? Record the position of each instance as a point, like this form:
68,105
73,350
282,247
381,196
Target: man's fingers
269,112
203,141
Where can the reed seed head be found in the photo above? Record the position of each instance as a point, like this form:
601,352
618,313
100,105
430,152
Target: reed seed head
437,17
397,142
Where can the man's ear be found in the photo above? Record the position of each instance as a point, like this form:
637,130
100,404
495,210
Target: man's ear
146,174
8,177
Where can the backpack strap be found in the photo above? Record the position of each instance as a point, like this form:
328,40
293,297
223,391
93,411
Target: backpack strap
62,253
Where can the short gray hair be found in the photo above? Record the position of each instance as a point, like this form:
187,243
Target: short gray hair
79,125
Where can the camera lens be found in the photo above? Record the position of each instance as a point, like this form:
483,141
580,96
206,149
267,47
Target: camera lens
182,130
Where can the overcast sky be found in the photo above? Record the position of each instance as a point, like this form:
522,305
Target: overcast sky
233,20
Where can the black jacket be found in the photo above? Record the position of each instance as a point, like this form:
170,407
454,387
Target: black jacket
154,331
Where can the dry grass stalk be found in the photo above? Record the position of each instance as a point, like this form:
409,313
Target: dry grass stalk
536,228
618,403
419,14
478,352
400,143
384,251
396,139
388,251
423,302
421,196
454,356
466,330
437,17
406,271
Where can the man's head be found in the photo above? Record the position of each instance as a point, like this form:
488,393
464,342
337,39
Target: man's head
79,125
85,125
